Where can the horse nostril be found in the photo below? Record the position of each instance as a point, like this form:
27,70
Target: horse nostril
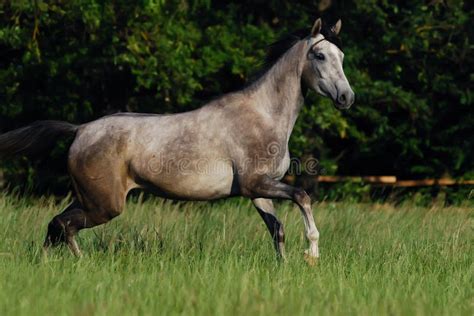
342,98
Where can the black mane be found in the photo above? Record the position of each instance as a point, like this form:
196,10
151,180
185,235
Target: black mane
277,49
282,45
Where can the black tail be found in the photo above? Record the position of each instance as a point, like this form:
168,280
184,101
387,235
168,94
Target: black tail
35,138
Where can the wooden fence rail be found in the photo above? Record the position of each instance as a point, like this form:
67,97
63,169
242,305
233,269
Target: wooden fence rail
387,181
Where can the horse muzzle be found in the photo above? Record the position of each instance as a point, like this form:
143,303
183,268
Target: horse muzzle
345,97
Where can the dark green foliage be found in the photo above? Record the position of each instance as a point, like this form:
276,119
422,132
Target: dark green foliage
410,64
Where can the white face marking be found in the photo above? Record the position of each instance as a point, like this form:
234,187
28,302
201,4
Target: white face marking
326,75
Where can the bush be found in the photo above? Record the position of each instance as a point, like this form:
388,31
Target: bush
409,64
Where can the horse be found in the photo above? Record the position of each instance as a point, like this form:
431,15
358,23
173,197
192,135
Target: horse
235,145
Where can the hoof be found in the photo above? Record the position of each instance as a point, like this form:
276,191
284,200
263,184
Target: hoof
74,247
310,260
44,253
56,234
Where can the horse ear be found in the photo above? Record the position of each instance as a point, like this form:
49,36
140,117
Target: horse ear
337,27
316,28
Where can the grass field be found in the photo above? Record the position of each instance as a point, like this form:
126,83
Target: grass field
216,258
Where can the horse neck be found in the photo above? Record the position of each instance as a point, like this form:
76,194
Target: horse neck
278,93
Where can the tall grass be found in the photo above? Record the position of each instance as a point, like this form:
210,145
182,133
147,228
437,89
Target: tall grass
217,258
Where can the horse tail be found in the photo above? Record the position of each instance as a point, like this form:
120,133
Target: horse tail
35,138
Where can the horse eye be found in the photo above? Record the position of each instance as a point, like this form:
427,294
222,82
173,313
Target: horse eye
319,56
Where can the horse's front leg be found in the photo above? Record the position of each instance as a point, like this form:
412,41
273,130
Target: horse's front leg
266,187
275,227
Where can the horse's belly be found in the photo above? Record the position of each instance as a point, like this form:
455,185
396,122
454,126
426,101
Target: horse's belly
192,180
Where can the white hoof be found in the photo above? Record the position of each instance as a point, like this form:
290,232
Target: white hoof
310,258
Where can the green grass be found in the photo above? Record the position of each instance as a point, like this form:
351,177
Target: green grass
216,258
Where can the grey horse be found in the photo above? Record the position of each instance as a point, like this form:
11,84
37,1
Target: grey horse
235,145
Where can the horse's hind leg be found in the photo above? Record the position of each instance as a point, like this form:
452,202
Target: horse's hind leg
101,185
63,227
